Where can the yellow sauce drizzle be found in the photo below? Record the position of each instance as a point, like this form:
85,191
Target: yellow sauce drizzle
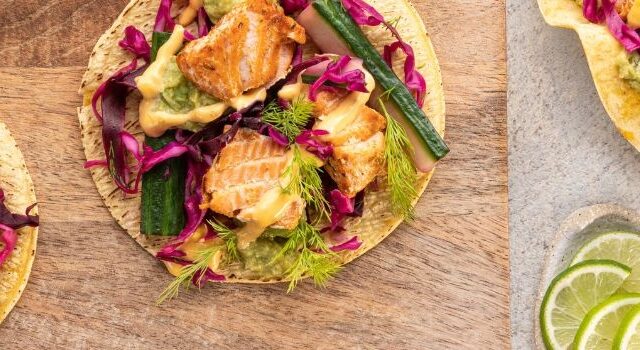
343,114
190,12
347,110
269,209
633,18
154,123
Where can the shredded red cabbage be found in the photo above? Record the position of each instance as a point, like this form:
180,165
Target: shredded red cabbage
413,79
628,38
9,223
277,136
164,21
353,79
193,197
341,203
365,14
353,244
308,138
170,252
293,6
199,279
135,42
204,23
113,97
591,11
9,237
301,66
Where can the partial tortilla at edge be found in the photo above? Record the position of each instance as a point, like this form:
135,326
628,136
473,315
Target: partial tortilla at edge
19,194
620,100
107,57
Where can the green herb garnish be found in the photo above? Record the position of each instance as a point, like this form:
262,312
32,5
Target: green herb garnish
315,260
401,173
229,237
199,265
290,121
304,180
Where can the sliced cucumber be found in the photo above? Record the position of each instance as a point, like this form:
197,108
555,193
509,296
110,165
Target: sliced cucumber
162,207
428,145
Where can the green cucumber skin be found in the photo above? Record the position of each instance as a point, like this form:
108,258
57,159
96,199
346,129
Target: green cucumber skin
158,39
162,206
338,18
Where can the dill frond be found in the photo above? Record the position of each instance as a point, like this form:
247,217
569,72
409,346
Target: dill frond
229,237
315,258
319,266
401,173
290,121
183,280
305,181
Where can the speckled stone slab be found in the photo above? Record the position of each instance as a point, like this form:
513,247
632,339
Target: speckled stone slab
564,152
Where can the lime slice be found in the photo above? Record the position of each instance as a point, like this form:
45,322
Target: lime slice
600,325
628,336
623,247
572,294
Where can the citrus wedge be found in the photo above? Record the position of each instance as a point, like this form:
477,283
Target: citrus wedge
628,335
600,325
620,246
572,294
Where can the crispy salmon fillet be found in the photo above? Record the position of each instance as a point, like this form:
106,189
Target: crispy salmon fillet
243,172
250,47
358,153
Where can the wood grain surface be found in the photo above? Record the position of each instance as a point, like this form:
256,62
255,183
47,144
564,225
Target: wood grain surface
441,282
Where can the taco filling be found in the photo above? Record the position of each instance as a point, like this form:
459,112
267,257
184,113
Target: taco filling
265,126
622,17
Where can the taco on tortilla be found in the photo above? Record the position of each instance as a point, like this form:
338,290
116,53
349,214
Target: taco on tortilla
18,223
608,30
281,140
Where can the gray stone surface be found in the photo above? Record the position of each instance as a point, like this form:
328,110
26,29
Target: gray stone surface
564,152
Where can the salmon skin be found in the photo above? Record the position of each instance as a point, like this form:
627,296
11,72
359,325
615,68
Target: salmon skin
243,172
250,47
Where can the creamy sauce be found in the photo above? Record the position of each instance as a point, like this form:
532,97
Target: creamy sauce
190,12
192,248
347,110
343,114
151,84
633,18
248,98
292,91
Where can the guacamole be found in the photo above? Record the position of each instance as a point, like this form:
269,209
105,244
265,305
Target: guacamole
218,8
629,68
258,259
179,94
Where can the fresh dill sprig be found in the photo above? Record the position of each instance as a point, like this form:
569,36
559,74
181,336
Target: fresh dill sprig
305,181
401,173
183,280
315,258
229,237
321,267
289,121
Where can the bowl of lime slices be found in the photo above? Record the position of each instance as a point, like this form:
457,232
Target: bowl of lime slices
590,288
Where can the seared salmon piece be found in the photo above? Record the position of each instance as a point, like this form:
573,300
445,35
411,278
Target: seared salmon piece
250,47
243,172
358,152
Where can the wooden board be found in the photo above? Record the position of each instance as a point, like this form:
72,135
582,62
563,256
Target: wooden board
439,282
